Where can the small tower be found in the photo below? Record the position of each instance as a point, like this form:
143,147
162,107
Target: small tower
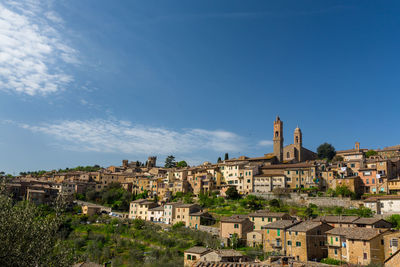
125,163
278,139
151,162
357,146
298,143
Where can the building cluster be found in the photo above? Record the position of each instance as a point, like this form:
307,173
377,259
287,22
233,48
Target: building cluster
349,239
290,167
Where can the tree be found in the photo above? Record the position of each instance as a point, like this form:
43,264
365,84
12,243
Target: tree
337,158
30,238
232,193
274,203
326,151
181,164
219,160
170,162
234,240
226,156
370,153
395,220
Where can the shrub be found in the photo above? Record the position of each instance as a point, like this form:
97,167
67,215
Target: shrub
332,261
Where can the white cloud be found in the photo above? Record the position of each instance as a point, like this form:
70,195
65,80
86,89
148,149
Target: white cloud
265,143
124,137
32,49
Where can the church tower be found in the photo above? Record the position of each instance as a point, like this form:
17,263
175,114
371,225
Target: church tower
278,139
298,143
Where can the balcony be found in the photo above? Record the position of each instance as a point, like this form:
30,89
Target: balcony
277,245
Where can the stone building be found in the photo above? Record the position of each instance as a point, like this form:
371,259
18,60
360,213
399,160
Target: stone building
263,217
356,245
291,153
275,236
138,209
306,241
236,224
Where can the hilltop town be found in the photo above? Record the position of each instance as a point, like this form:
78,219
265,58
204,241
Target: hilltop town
293,205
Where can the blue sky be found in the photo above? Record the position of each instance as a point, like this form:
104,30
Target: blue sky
95,81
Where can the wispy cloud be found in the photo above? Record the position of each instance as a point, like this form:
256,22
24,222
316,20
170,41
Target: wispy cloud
265,143
123,137
32,49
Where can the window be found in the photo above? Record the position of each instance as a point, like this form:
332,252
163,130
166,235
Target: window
382,242
193,257
298,244
189,257
295,233
236,225
262,219
335,251
365,256
336,239
289,243
394,242
279,232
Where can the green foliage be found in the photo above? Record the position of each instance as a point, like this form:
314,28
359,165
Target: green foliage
114,196
326,151
344,191
234,240
178,225
275,203
252,202
370,153
337,158
31,236
232,193
309,212
170,162
143,195
332,261
181,164
188,198
395,220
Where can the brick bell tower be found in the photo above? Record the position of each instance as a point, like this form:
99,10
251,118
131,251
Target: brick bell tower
278,139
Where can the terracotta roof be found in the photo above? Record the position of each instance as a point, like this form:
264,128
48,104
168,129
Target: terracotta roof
288,166
159,208
235,219
266,213
230,264
281,224
197,250
186,205
304,226
368,221
228,253
199,213
357,233
336,219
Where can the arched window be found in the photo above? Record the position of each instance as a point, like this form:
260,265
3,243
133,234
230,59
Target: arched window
288,155
276,134
297,139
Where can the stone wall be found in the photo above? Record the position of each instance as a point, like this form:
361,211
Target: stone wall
305,200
